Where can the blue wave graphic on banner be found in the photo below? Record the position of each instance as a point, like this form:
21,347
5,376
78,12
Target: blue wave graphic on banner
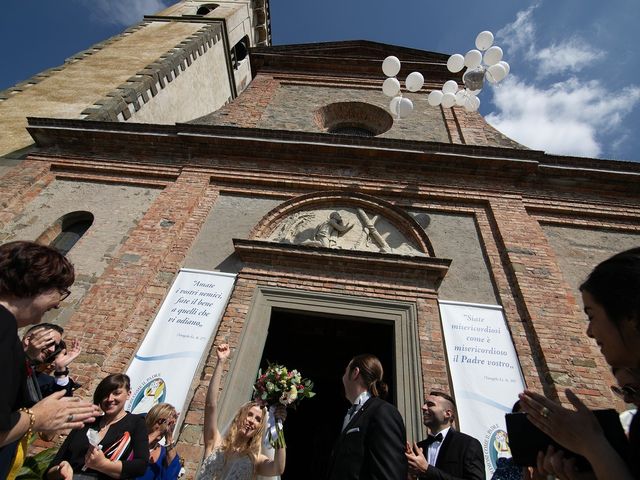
167,356
485,400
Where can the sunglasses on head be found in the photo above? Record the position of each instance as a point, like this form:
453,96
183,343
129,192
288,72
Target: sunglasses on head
625,390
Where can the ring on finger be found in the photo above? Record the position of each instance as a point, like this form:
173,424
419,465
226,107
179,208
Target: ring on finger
545,412
70,418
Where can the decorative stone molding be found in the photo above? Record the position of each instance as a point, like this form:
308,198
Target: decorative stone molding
425,273
358,115
120,104
402,316
21,86
344,220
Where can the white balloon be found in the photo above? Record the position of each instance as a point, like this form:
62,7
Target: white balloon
435,98
414,81
484,40
455,63
495,73
493,55
472,104
474,79
472,59
506,66
450,86
461,98
391,87
448,100
393,105
405,107
391,66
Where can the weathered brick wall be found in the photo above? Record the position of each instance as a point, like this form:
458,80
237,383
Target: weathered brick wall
549,307
248,108
275,102
115,314
578,250
20,185
116,209
521,266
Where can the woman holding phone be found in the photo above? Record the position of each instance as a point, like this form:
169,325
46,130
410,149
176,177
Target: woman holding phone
611,297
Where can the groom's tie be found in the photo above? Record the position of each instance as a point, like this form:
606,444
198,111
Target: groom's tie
347,418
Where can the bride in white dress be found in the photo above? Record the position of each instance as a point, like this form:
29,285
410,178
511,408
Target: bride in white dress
236,455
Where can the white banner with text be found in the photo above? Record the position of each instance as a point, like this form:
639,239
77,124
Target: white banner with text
485,373
168,358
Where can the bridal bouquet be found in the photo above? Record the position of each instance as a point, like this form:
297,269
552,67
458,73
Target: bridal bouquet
278,385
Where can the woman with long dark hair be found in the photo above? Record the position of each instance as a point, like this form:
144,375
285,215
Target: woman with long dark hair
611,297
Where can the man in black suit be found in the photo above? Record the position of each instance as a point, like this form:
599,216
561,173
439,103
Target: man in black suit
446,454
371,445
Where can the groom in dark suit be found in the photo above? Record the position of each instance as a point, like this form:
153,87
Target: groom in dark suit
371,445
445,454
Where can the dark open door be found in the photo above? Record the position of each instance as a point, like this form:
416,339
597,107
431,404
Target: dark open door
320,348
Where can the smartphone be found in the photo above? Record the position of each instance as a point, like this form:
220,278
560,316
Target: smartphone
526,440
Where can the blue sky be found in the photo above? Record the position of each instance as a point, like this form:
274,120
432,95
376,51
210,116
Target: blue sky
574,87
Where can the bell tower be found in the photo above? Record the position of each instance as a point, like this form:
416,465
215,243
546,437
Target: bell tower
176,65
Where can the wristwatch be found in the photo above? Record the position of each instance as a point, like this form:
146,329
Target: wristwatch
63,373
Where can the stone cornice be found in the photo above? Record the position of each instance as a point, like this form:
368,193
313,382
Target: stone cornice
188,145
424,272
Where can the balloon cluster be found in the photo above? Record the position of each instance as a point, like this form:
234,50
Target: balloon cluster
480,66
400,106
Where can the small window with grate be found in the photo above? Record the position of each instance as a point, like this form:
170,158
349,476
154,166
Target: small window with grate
357,131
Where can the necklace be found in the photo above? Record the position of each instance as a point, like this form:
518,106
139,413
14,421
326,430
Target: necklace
118,418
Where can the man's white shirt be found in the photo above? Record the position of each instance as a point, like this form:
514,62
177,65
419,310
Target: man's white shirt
434,448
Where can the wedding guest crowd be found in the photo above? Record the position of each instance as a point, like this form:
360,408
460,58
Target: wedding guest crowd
33,280
106,441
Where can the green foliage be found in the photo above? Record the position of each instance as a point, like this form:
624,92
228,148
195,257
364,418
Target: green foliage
35,466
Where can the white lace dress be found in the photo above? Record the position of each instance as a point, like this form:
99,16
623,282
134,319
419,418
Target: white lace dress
215,468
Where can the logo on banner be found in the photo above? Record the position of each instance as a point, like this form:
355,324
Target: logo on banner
496,446
152,391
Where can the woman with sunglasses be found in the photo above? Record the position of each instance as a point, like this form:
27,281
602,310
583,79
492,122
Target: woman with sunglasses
33,280
612,303
49,360
164,462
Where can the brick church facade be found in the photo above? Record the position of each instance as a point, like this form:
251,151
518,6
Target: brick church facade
191,151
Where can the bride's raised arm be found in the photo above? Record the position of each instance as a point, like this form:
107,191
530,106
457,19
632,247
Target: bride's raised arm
211,432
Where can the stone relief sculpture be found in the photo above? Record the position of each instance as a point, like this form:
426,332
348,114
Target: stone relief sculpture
327,232
343,228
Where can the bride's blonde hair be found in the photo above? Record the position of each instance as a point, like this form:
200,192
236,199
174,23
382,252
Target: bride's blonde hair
234,443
